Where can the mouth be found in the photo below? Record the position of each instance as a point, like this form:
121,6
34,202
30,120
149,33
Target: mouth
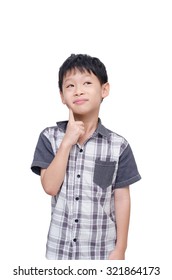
80,101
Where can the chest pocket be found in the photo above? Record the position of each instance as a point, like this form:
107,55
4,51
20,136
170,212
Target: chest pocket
103,173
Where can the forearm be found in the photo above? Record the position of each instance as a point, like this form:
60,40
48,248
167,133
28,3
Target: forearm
122,212
53,177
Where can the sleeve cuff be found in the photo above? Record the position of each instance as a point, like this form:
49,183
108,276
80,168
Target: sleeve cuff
38,165
127,182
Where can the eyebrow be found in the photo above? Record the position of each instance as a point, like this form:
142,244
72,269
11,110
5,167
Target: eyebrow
69,79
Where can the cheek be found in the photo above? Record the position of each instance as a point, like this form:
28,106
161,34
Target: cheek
65,101
63,98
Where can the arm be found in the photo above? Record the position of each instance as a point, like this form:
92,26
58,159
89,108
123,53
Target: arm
122,213
52,177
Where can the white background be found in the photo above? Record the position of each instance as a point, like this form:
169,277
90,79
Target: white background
134,40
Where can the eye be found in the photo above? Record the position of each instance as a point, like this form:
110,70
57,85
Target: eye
69,85
87,83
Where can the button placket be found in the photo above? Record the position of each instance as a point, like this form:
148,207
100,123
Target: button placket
76,201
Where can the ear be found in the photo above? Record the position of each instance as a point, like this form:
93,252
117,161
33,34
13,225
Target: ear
105,90
62,97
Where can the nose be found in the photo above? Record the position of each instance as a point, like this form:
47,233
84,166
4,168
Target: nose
78,91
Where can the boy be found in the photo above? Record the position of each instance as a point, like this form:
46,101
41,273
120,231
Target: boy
87,169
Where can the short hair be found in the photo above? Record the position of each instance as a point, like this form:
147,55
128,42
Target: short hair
83,62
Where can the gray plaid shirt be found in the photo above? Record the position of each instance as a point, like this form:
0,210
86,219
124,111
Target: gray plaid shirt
83,218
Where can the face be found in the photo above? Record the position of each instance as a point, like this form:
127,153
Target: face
82,92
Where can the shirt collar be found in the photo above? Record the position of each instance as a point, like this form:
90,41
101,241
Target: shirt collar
100,128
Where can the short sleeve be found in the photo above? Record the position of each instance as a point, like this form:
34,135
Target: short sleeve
127,172
43,155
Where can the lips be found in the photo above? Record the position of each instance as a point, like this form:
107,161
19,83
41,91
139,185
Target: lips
80,101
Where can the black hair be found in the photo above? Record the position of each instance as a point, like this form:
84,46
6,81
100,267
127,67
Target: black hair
83,62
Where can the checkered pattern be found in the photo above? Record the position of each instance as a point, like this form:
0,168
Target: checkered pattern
83,218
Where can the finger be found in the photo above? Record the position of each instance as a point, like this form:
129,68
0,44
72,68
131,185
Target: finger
71,116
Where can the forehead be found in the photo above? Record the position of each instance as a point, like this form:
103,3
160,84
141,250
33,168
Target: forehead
77,72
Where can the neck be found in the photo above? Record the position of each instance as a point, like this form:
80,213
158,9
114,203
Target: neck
90,124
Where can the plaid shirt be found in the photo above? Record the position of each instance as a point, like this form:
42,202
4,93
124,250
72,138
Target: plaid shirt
83,217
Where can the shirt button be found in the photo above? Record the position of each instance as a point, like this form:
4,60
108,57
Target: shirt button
78,176
76,198
74,239
81,150
76,220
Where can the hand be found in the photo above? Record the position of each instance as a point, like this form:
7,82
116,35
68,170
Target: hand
75,129
116,255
